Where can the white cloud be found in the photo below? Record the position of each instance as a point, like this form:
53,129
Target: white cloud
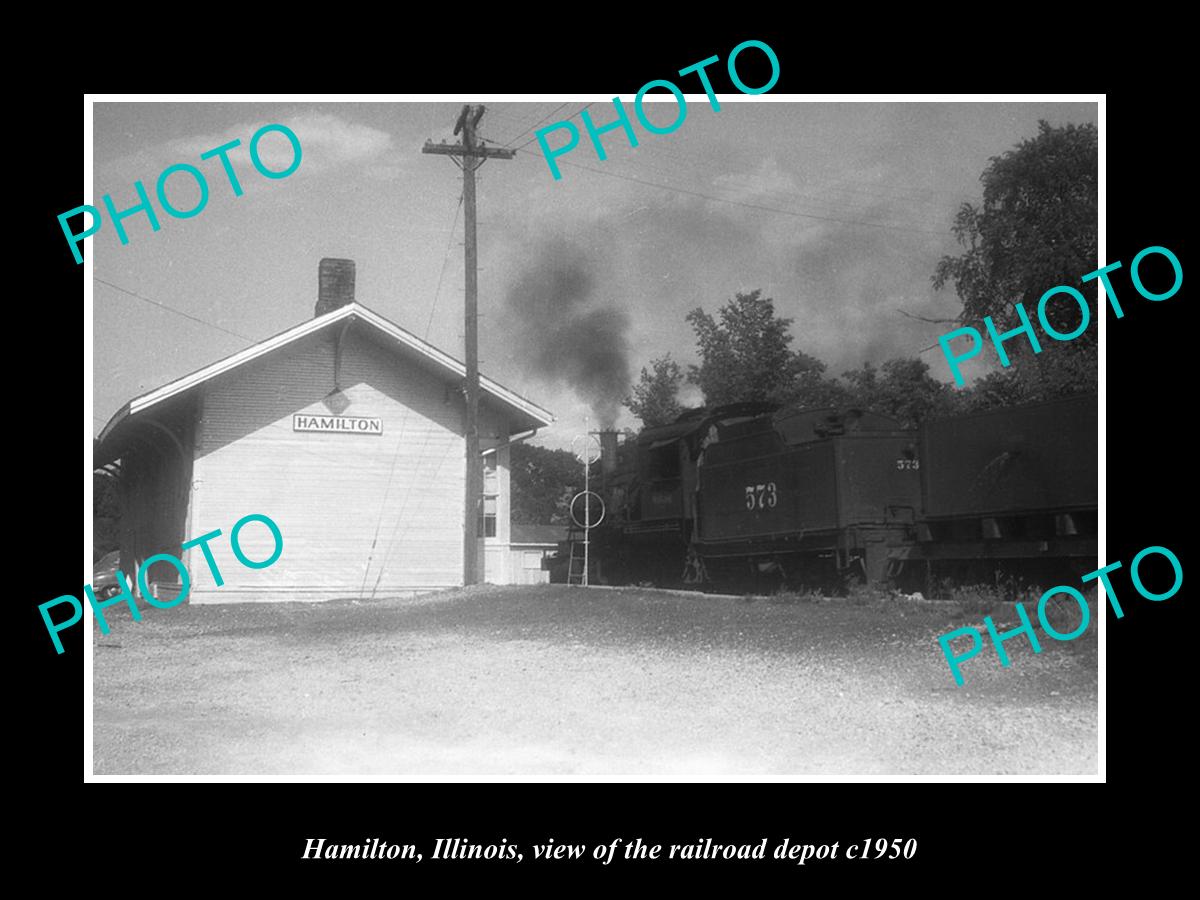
767,179
330,141
327,142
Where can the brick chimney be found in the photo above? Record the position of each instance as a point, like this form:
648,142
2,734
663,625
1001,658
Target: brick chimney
335,285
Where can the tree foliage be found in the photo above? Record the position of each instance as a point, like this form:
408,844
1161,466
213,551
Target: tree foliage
655,397
901,388
744,353
811,389
999,388
1035,229
543,481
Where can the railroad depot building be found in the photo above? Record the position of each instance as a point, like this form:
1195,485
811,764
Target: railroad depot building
348,432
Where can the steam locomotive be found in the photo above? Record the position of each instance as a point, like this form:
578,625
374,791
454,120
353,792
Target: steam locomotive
834,496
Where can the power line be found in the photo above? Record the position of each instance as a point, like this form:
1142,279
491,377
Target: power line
706,167
387,490
908,195
391,543
523,121
664,170
504,115
178,312
400,441
831,202
534,138
742,203
404,424
466,152
517,136
442,274
660,167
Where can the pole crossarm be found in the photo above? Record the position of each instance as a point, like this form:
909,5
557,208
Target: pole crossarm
460,150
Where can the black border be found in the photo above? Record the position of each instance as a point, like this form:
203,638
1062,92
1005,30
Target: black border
258,830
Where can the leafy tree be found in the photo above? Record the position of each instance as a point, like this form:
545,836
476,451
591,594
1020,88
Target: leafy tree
901,388
812,389
999,388
543,481
1035,229
745,355
655,396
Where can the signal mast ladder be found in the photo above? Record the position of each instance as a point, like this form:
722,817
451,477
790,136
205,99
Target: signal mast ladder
575,562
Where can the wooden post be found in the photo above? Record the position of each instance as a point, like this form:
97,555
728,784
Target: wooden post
471,152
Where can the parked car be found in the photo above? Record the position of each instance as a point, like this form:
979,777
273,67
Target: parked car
104,576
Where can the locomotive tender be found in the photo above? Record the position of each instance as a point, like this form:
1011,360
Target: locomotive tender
820,496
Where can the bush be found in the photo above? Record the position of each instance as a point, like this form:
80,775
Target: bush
977,599
859,594
1065,616
797,595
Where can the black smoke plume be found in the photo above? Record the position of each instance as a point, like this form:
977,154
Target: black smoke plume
569,331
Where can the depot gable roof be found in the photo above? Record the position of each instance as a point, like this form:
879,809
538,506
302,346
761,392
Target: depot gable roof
525,414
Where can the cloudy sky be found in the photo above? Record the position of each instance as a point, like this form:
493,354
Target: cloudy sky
837,211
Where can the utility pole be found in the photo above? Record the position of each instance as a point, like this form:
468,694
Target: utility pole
472,155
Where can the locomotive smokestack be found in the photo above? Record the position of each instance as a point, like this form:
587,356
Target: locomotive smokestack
608,452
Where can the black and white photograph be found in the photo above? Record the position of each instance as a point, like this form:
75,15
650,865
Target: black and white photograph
696,437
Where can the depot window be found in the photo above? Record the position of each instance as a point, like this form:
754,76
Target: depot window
491,498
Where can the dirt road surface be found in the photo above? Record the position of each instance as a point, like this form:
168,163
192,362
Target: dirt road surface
553,680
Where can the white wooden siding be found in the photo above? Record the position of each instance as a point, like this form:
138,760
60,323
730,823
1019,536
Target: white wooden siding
359,513
526,565
497,567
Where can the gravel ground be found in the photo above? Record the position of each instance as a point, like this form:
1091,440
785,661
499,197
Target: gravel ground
552,680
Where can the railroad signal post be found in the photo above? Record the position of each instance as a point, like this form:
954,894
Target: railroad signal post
588,453
472,155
